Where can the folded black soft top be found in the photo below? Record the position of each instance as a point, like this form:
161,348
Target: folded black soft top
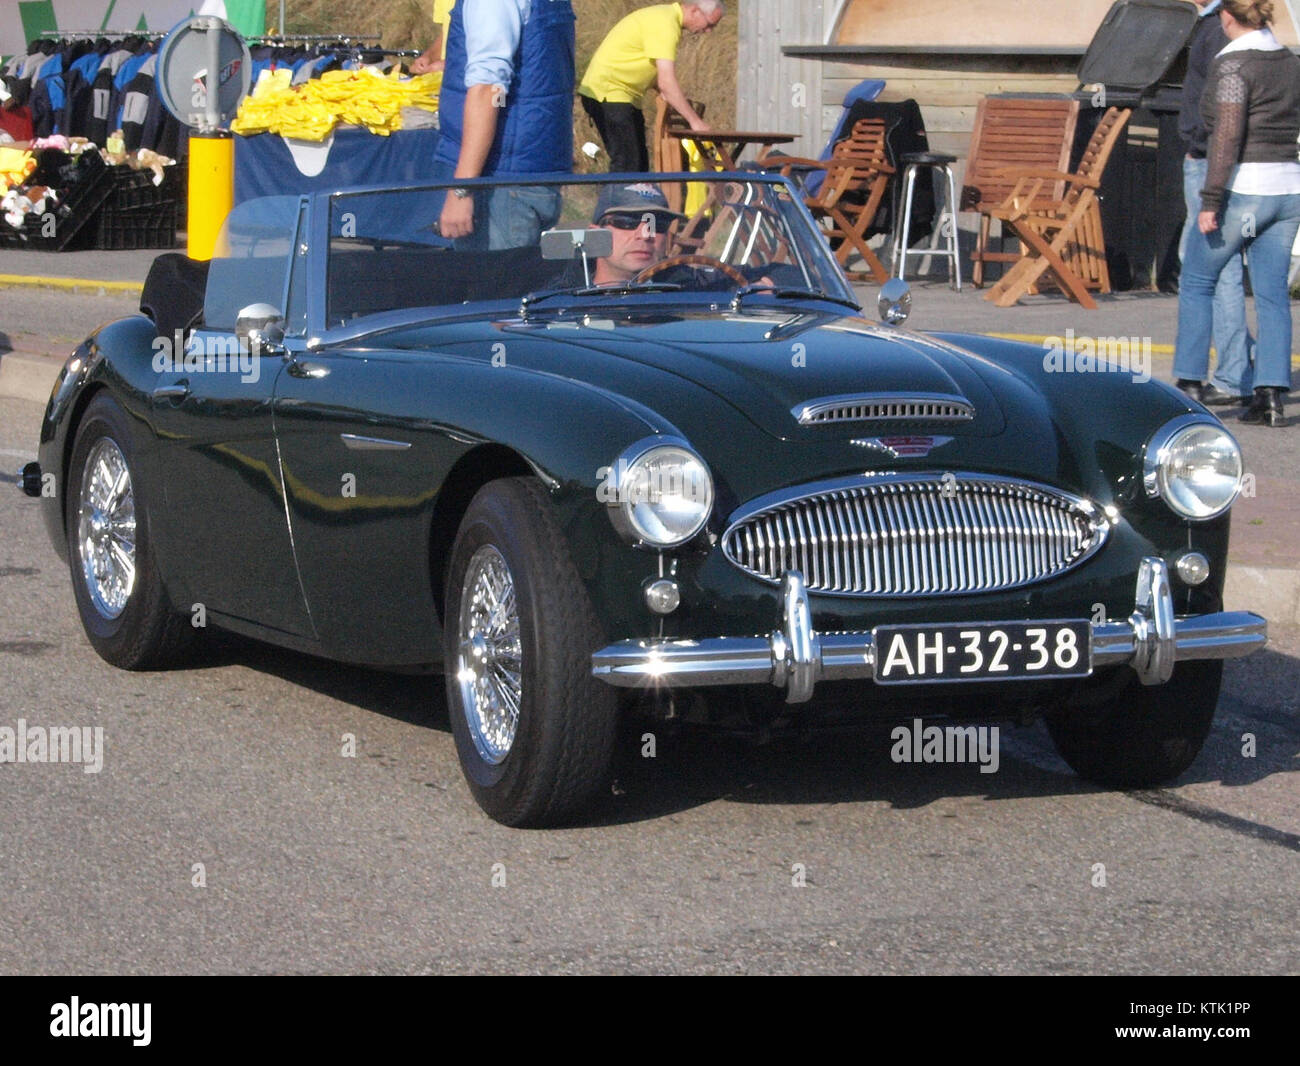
173,292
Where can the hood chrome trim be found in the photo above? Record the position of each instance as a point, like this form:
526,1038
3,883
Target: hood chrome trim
883,407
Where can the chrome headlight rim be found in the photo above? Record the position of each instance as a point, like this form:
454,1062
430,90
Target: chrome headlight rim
622,507
1155,464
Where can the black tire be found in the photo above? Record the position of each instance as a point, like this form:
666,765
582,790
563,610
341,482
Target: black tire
1130,735
559,753
143,632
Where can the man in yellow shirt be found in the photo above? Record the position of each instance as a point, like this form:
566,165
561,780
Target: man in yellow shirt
640,49
432,58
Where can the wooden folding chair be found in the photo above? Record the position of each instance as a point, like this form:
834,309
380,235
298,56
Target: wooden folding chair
668,154
857,174
1062,236
1013,133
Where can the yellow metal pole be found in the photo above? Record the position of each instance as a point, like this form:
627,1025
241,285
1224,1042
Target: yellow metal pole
212,190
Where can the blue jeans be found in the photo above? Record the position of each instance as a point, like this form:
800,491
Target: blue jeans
517,215
1232,340
506,217
1265,226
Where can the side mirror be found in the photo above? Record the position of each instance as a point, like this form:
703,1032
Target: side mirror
895,302
260,325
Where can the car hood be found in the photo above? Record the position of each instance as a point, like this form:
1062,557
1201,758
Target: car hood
766,366
729,384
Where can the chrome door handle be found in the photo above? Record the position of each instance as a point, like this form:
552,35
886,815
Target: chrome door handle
177,391
300,369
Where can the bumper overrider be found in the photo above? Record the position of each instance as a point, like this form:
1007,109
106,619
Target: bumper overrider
795,657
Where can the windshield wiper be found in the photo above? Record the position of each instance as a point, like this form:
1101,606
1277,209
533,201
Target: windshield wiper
597,290
790,294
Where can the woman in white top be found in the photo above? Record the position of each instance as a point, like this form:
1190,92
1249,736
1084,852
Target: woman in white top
1251,200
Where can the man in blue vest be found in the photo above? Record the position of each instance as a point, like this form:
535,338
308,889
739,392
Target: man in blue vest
506,109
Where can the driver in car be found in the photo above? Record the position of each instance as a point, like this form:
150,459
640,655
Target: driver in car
639,217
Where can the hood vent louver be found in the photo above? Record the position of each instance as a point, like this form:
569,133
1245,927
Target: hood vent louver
883,407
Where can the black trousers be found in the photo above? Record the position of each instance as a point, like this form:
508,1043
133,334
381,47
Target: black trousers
622,128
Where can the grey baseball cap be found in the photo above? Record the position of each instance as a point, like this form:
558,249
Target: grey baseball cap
634,199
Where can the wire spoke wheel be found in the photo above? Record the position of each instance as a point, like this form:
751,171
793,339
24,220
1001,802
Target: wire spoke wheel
490,662
534,730
106,528
123,605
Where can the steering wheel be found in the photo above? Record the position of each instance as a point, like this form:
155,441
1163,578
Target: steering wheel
692,260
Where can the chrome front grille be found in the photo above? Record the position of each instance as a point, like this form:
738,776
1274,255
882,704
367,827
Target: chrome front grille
883,407
925,534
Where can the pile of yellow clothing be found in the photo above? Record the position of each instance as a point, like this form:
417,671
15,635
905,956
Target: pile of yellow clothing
15,165
310,111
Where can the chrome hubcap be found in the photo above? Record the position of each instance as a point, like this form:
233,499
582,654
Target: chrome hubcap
106,529
489,662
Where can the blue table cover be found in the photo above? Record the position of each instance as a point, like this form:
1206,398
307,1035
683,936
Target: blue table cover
265,163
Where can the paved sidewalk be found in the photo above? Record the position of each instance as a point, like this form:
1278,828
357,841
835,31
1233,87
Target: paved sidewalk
1264,562
88,271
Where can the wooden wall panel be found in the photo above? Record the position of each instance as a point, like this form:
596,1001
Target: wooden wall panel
775,91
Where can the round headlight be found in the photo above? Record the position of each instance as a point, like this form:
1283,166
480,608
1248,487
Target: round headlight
1194,465
661,494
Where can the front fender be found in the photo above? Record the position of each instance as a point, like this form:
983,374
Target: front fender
116,356
569,432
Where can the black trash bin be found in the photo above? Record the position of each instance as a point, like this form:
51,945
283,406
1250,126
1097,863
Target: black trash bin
1137,59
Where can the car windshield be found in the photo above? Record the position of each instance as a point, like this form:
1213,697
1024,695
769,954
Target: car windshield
552,245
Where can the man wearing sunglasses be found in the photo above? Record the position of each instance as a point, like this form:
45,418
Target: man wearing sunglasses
639,218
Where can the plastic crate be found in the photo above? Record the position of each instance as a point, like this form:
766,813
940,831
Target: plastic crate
83,184
181,175
137,227
135,188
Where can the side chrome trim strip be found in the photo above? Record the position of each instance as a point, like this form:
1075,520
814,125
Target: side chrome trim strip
358,443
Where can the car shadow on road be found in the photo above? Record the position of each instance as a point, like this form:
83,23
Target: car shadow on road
696,767
417,699
692,766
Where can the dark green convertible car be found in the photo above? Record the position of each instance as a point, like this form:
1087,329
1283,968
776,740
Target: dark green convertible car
602,457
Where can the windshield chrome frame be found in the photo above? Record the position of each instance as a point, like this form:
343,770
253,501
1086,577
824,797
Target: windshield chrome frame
323,205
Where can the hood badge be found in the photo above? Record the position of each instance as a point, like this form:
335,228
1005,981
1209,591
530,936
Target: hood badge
911,447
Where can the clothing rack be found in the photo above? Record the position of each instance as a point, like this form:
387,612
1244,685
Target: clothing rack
345,40
62,35
324,43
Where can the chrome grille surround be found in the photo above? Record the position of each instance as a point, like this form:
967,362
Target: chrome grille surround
915,534
883,407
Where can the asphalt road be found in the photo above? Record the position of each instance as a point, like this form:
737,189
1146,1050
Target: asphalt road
381,863
53,323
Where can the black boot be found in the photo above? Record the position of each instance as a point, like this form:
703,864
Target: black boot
1266,408
1192,389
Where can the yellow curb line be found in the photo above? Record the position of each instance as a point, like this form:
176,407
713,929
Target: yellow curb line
1031,338
23,281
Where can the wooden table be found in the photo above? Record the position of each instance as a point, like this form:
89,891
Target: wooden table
725,147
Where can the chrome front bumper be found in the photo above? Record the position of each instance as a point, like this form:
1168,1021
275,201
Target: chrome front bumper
796,657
